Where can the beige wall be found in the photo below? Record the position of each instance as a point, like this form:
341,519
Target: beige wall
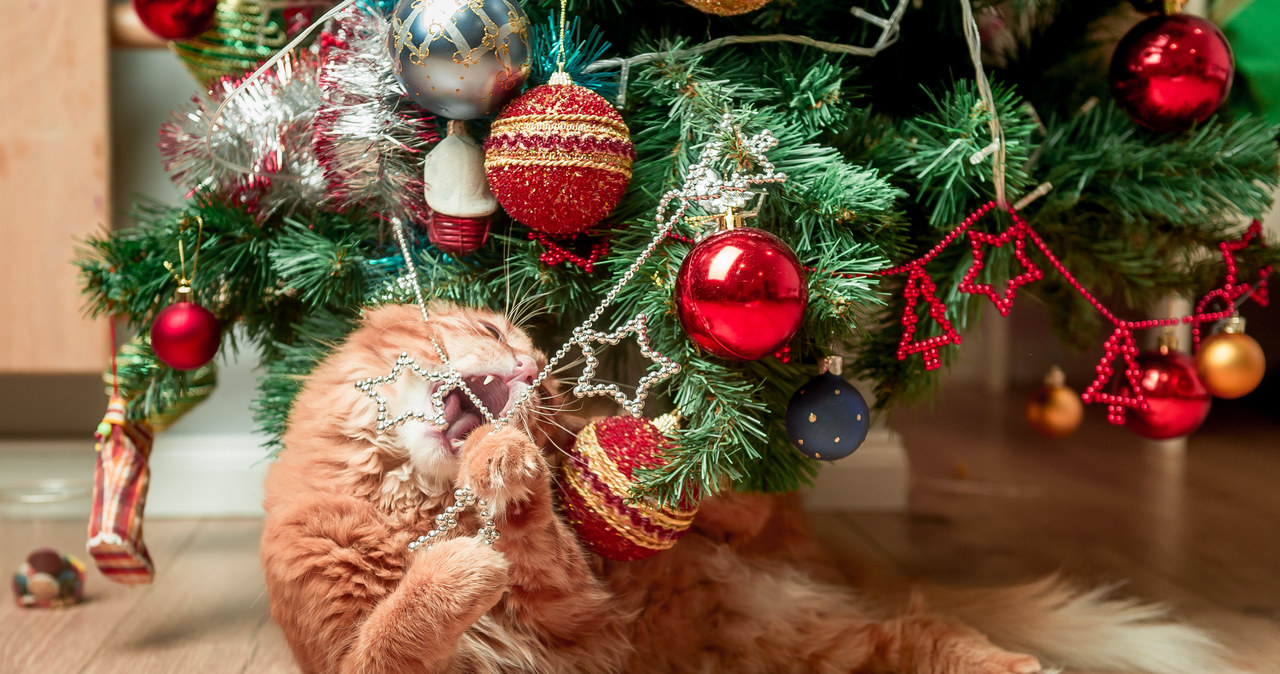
145,86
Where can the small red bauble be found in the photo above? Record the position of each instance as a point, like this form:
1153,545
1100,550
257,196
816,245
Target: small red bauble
741,293
1172,72
176,19
1177,400
595,490
559,158
185,335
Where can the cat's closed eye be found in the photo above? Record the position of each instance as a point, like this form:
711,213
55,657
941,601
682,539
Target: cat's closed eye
493,330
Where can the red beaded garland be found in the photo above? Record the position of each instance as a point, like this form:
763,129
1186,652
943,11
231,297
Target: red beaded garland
1003,301
1122,395
595,490
559,158
1232,290
556,252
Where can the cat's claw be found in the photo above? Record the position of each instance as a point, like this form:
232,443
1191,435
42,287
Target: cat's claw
502,466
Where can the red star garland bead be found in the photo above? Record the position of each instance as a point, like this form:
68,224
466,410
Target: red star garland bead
1261,290
1231,289
918,284
1128,393
1016,233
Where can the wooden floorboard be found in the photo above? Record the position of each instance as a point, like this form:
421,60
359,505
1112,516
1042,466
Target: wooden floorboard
991,504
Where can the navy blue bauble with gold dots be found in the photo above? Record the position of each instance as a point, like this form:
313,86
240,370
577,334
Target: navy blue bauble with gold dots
827,418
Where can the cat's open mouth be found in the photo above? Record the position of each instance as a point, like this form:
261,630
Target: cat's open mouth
462,415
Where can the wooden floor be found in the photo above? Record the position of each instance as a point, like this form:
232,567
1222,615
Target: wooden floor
990,504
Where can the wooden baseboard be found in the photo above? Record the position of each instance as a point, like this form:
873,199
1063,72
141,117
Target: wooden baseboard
873,478
192,475
220,475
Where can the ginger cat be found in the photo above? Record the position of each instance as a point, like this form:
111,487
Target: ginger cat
739,593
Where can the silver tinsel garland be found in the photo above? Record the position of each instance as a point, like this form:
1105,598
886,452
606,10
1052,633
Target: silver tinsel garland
268,128
370,138
325,127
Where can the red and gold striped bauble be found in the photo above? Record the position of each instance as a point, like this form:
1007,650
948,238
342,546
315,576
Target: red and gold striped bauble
559,158
595,490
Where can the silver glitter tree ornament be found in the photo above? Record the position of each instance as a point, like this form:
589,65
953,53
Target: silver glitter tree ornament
460,59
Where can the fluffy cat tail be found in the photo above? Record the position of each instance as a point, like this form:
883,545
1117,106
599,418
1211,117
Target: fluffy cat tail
1087,629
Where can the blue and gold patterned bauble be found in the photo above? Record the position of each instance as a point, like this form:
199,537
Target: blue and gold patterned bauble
460,59
827,418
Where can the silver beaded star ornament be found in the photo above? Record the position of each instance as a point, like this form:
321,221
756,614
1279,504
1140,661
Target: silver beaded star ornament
587,339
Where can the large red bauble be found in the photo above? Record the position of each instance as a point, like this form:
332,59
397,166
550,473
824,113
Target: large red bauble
185,335
1178,400
176,19
1171,72
741,293
595,490
558,158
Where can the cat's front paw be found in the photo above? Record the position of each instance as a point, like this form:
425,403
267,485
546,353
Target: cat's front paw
503,466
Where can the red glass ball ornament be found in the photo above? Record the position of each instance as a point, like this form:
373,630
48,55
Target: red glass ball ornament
741,293
176,19
1178,401
559,158
185,335
595,490
1171,72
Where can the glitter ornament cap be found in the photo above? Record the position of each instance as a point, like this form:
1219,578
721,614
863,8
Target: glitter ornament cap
559,158
460,59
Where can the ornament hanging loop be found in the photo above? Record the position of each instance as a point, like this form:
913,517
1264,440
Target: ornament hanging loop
560,74
1173,6
184,281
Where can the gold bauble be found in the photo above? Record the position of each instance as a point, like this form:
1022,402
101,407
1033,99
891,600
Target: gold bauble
726,7
1231,363
1055,409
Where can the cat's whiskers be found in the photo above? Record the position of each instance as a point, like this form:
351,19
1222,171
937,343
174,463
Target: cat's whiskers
527,308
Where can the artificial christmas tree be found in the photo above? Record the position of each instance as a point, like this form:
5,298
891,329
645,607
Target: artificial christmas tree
851,137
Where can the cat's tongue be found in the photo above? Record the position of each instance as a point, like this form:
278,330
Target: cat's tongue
461,412
462,424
